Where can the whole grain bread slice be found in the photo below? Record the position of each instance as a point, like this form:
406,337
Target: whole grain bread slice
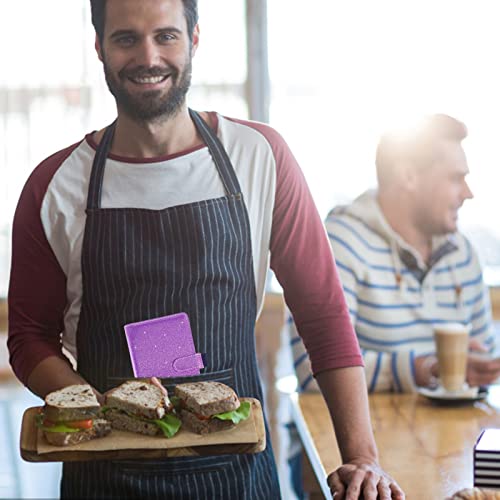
123,422
207,398
100,428
74,402
194,424
139,397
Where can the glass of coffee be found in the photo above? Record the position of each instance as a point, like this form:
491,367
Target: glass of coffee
452,345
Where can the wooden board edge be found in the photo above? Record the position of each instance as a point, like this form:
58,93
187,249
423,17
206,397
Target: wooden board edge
29,452
27,441
259,426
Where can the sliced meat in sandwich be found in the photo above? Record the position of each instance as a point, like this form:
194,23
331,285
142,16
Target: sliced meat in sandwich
72,415
141,406
209,406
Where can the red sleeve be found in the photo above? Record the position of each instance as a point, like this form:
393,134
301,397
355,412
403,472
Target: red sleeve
37,288
302,260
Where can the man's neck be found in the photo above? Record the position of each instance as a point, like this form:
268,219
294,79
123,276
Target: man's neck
397,214
134,139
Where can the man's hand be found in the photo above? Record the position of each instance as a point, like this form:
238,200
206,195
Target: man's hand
363,480
360,476
482,370
52,374
426,371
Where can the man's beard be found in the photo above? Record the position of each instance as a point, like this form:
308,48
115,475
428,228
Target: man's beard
151,105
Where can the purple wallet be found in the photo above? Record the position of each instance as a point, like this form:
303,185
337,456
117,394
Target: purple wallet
163,347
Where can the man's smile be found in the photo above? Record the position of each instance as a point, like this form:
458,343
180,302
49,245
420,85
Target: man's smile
148,79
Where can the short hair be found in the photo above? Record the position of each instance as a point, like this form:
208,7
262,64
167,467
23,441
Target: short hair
420,146
98,10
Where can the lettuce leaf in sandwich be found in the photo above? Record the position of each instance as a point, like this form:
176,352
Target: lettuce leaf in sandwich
236,416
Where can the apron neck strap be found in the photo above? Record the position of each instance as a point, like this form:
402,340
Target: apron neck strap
97,174
219,154
215,147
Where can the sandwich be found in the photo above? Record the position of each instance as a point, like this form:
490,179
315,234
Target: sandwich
206,407
141,406
72,415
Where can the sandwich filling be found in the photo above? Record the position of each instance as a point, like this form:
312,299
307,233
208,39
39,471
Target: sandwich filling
141,406
169,424
209,406
70,410
63,426
235,416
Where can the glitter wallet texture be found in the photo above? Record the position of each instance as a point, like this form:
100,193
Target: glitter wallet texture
163,347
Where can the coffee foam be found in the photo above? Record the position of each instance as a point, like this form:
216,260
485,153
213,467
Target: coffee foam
452,328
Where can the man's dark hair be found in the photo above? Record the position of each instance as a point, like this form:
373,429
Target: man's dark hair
420,147
98,9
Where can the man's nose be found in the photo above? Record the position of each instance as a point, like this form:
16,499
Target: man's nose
148,54
467,194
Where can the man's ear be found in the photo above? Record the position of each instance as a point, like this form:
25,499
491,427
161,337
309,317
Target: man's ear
196,40
98,48
408,178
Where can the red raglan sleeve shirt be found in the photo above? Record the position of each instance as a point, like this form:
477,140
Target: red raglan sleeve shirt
302,260
37,288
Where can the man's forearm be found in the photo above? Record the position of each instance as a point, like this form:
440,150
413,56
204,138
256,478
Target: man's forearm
51,374
345,392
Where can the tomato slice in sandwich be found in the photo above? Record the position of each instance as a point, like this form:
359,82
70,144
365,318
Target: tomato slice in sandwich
80,424
48,423
75,424
201,417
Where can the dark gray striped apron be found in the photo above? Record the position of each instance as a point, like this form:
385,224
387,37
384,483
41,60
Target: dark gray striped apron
139,264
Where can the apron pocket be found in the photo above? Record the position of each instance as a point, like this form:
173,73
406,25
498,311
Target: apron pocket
226,376
173,466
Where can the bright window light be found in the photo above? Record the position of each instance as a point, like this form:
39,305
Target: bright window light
343,72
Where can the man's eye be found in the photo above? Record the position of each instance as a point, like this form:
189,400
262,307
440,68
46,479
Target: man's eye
125,41
165,37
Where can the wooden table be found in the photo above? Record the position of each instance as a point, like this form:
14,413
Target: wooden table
426,447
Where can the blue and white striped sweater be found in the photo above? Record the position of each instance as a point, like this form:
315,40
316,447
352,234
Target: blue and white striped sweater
393,321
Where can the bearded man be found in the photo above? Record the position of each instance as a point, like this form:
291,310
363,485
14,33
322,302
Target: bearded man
168,210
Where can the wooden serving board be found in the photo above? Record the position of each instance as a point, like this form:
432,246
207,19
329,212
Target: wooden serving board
248,436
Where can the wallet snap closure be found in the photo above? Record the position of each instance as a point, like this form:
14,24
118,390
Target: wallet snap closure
188,362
